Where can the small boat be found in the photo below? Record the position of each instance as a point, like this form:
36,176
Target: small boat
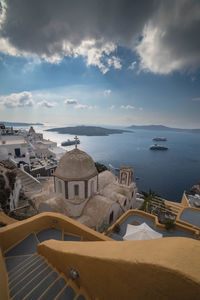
159,139
70,142
158,147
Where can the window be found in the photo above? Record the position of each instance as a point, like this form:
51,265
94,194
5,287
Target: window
125,203
52,171
76,190
111,217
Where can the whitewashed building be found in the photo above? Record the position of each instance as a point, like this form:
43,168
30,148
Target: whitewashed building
76,179
14,147
87,196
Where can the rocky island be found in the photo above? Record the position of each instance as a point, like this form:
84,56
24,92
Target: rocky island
88,130
163,128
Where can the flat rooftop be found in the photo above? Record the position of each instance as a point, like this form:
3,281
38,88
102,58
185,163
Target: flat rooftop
133,219
11,140
191,216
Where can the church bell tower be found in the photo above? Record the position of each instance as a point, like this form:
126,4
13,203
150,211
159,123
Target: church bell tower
125,175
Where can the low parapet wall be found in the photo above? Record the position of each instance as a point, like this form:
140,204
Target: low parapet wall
12,234
155,269
181,225
184,223
4,219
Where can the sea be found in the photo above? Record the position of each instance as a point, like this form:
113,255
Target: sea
168,173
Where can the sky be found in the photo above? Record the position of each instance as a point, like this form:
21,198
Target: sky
100,62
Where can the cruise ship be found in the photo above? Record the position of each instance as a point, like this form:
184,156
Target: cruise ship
70,142
159,139
158,147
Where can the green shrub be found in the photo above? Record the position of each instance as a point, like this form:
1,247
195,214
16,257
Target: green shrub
100,167
2,182
4,198
169,223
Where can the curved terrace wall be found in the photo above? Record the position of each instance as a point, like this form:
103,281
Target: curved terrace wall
154,269
13,233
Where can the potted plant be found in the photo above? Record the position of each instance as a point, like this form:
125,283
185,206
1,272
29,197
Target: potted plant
169,224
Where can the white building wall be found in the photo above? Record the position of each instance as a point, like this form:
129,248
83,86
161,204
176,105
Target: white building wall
94,180
133,197
71,185
8,150
60,183
115,208
14,197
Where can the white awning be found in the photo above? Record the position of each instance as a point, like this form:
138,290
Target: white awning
140,232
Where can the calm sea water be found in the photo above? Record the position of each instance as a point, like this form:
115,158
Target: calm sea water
168,173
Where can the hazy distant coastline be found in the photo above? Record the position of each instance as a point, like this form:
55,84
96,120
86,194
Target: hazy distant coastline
162,128
88,130
19,124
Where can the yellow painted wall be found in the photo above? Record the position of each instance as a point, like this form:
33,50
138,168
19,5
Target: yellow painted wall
156,269
4,295
6,219
12,234
184,200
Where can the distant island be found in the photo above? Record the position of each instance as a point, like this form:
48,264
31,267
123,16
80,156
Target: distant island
19,124
87,130
162,128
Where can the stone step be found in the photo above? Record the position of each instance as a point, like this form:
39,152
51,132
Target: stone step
25,280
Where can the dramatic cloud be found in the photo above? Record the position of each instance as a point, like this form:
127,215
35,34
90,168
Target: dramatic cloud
92,29
82,106
170,39
163,33
132,65
46,104
70,101
17,100
115,62
107,92
127,107
97,53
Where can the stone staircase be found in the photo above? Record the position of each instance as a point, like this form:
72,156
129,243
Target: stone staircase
29,183
31,277
174,206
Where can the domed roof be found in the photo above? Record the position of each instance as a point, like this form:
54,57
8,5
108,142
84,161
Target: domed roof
75,165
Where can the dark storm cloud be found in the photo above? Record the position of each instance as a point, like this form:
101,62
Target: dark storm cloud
41,26
171,38
168,31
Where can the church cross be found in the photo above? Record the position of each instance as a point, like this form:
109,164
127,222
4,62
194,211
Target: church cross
76,141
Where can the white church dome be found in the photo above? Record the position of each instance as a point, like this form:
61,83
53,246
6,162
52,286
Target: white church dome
76,165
